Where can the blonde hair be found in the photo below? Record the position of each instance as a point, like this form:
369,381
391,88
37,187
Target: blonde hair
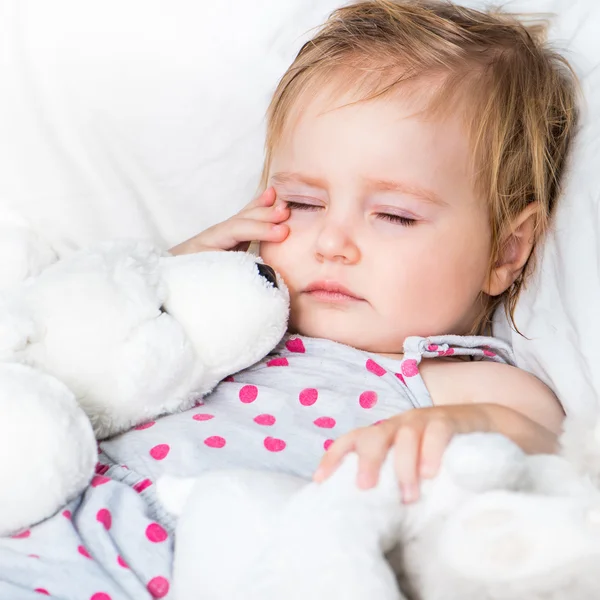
521,98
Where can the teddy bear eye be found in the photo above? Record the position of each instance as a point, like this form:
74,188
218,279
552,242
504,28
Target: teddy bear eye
162,309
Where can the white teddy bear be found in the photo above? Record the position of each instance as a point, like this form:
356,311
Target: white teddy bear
495,524
110,337
107,338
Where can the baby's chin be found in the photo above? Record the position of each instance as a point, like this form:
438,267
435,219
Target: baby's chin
344,329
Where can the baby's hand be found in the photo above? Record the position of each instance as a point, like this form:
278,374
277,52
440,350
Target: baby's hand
261,221
419,438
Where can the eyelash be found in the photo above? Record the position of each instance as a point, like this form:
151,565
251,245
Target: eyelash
404,221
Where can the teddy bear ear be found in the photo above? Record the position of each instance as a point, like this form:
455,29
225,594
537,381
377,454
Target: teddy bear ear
29,254
17,327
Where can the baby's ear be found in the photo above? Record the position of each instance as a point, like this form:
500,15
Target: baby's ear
515,251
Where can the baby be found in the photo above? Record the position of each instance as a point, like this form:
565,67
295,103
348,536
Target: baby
413,159
414,154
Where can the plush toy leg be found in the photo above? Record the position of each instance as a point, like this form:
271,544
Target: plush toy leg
226,519
330,542
509,546
246,535
47,447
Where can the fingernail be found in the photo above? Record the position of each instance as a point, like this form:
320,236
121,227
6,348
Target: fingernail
409,493
319,474
365,481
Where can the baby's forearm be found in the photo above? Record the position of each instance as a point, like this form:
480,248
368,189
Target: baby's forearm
529,435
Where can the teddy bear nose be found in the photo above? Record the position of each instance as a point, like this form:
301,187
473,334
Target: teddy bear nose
268,273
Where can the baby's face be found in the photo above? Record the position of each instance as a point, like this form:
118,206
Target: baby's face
387,237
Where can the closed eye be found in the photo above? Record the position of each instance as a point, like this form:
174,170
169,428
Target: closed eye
405,221
400,220
292,205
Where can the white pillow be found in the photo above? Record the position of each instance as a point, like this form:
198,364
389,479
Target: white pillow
139,117
559,312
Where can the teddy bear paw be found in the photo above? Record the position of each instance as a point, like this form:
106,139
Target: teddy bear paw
47,446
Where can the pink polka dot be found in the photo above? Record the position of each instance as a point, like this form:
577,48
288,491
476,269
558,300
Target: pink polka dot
203,417
229,379
400,377
265,420
295,345
248,394
82,550
33,555
144,425
374,368
103,516
155,533
158,587
21,535
409,367
274,445
325,422
368,399
100,596
327,443
215,441
432,347
101,469
42,591
448,352
278,362
122,563
66,514
198,403
160,451
308,396
99,480
489,353
140,486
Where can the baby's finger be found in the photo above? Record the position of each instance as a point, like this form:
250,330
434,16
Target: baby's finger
332,458
267,198
372,447
436,438
406,458
269,214
236,231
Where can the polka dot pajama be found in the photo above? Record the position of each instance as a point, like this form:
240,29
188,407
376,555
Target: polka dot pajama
115,541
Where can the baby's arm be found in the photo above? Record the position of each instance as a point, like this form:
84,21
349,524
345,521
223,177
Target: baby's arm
468,397
485,382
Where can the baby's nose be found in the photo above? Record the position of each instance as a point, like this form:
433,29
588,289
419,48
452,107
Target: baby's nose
268,273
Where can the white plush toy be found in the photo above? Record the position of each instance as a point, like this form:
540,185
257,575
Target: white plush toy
495,524
110,337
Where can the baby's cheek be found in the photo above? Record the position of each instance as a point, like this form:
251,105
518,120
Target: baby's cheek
424,294
280,256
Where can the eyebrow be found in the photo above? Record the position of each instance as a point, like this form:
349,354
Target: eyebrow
380,185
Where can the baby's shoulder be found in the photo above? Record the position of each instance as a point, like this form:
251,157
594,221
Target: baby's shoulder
452,381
